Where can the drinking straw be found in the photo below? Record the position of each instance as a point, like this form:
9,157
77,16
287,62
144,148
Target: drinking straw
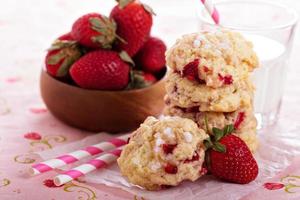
97,163
211,9
78,155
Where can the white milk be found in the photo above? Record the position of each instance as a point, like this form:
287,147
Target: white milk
270,77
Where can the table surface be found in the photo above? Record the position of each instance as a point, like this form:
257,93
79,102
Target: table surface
26,29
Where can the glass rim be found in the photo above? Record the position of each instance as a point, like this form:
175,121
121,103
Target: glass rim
288,9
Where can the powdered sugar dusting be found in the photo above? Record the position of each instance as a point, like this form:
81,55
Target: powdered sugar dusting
158,142
224,45
201,37
188,137
169,132
207,46
197,43
154,166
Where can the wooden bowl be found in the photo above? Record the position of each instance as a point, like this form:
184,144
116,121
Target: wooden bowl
95,110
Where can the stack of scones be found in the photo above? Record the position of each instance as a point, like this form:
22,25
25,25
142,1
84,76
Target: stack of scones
209,82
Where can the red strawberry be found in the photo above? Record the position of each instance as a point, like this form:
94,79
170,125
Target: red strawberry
168,148
61,55
134,21
101,69
140,79
151,57
149,78
239,119
233,162
67,37
33,136
50,183
171,169
94,30
194,158
190,70
227,79
273,186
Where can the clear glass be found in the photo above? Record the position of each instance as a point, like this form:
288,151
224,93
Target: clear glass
270,27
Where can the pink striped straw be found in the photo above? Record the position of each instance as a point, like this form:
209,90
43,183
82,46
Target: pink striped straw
78,155
97,163
211,9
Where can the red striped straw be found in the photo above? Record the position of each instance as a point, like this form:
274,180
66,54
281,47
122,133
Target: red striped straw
97,163
211,9
78,155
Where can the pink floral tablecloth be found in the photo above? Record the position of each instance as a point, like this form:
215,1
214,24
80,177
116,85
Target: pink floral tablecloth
26,126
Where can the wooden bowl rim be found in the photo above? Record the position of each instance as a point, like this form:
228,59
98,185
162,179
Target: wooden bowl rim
106,91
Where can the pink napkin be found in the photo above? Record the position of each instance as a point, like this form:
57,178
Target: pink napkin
278,148
285,185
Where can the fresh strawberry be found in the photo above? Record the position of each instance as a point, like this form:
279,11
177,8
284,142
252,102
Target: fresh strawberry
101,69
61,55
230,159
95,31
140,79
134,21
151,57
149,78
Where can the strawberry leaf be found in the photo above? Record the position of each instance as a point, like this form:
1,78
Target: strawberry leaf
148,9
121,39
106,29
73,56
208,143
137,80
64,68
219,147
218,133
131,81
124,3
228,129
56,58
125,57
61,44
101,40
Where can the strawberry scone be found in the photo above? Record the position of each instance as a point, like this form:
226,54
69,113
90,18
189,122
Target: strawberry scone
164,153
243,120
185,93
213,59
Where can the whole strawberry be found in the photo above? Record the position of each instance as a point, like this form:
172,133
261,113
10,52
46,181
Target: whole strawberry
102,70
230,159
95,31
140,79
134,21
151,57
61,55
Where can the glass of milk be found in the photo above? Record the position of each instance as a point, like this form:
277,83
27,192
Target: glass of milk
270,27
